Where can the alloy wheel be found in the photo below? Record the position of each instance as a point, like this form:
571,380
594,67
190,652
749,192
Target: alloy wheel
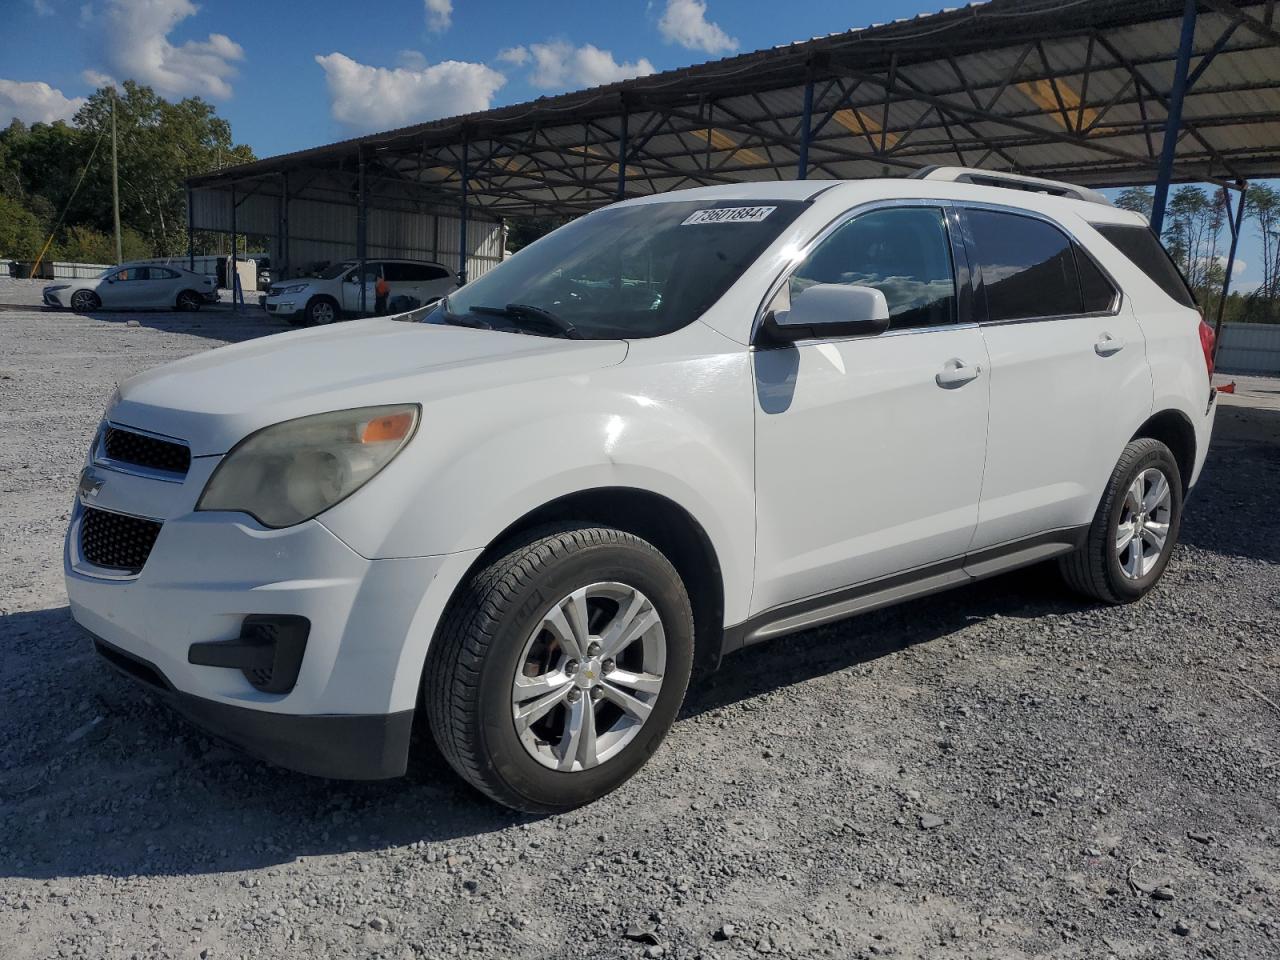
1143,530
589,676
323,313
84,301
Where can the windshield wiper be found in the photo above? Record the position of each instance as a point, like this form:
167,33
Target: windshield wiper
517,311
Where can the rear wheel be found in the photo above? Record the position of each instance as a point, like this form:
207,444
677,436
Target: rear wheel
189,301
321,310
85,301
1134,531
559,667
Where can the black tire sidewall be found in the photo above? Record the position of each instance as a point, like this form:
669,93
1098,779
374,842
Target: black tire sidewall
312,320
1125,587
95,302
641,568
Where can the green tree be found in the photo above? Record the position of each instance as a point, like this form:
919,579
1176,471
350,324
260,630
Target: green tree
160,145
1138,199
21,233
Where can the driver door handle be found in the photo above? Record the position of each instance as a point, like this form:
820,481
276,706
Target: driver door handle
956,373
1106,345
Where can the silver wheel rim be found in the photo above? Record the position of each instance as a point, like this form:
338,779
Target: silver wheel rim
187,301
1143,531
589,676
82,301
323,313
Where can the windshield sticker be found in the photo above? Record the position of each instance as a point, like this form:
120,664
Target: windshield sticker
728,215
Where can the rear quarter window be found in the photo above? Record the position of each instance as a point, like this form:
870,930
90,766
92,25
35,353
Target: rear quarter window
1142,248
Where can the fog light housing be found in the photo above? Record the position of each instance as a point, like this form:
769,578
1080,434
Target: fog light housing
268,651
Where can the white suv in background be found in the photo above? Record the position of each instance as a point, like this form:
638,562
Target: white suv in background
675,427
308,301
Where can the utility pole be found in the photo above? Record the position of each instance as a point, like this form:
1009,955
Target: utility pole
115,180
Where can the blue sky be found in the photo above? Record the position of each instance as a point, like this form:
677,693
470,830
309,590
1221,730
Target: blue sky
297,74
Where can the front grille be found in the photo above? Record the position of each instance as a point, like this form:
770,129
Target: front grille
116,542
125,446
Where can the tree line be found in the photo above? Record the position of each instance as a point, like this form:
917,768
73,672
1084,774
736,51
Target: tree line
1197,235
159,145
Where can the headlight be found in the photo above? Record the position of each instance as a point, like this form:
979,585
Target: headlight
56,287
292,471
296,288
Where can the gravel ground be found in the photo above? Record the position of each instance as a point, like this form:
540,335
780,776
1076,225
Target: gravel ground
1001,771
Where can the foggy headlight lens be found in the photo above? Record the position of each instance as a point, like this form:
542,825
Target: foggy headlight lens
292,471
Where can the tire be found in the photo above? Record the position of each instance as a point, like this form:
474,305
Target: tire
496,628
1101,568
321,310
85,301
188,301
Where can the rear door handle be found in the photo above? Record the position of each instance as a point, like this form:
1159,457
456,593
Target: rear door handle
1106,345
956,373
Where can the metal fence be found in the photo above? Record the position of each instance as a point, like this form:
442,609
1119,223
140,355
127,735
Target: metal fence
1250,348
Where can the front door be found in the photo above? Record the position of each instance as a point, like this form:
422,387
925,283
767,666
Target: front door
351,288
869,451
1067,354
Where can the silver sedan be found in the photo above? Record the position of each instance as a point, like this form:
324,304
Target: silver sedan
134,286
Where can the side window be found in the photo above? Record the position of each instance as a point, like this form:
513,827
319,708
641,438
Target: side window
435,273
161,273
398,272
130,273
904,252
1028,267
1144,250
1096,290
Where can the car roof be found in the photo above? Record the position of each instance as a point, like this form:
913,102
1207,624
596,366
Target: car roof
848,193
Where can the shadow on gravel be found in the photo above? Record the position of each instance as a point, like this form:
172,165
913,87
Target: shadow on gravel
111,782
1233,509
219,322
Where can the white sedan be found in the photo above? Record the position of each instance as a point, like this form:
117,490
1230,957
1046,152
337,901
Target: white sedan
134,286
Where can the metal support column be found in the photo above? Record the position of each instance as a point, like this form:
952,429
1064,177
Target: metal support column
1235,225
1173,124
233,281
281,269
191,234
362,234
806,124
462,231
622,155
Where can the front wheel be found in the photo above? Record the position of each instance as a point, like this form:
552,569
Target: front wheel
320,311
559,667
1133,533
85,301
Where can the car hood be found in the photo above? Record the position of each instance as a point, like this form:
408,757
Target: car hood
214,399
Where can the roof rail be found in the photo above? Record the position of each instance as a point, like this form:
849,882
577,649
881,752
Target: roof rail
1011,181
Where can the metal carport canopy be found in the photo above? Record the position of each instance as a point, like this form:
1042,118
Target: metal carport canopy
1079,90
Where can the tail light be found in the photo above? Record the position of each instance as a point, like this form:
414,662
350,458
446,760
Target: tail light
1207,340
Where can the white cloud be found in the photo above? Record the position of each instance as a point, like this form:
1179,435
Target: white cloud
517,55
439,14
35,102
558,64
366,98
685,22
42,8
96,78
135,44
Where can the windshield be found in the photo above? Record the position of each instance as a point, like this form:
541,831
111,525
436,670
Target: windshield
623,272
335,270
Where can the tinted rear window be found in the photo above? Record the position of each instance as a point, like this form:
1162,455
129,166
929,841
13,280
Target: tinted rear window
1099,294
1028,267
1140,245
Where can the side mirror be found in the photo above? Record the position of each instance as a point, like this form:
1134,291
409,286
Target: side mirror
828,310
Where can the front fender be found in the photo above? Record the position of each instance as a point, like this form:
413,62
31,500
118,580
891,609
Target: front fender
678,428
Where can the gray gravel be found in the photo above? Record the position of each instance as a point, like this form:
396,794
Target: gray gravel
998,772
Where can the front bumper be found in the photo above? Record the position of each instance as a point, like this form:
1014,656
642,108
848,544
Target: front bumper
283,308
50,298
344,747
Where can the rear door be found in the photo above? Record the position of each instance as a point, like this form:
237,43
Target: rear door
1068,375
163,286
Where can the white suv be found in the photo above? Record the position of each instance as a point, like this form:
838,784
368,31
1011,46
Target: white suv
676,427
308,301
